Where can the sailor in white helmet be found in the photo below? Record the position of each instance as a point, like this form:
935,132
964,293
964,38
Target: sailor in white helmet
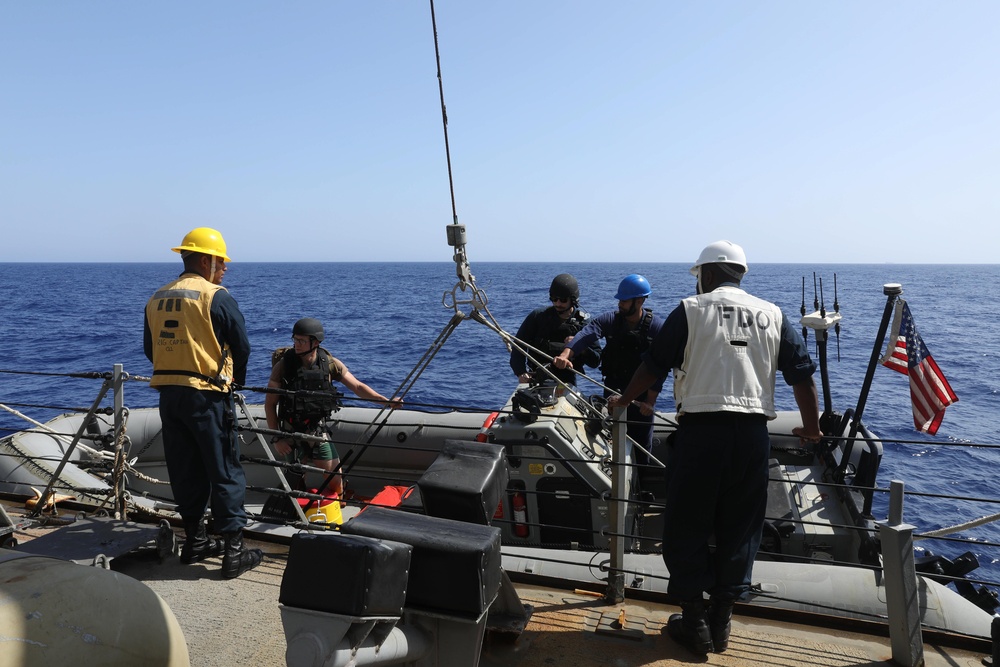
725,348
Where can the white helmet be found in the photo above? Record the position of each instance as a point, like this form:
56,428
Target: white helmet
722,252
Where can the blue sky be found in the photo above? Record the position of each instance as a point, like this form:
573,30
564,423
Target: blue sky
806,131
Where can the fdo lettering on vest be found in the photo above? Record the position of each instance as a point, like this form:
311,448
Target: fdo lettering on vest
742,316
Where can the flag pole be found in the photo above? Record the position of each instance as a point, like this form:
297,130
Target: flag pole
892,292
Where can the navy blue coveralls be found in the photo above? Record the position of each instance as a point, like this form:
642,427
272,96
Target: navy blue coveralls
716,476
199,431
619,365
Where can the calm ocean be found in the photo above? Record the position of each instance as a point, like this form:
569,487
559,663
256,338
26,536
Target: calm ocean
381,317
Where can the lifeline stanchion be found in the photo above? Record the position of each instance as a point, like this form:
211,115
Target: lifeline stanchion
117,375
901,599
69,450
615,591
267,450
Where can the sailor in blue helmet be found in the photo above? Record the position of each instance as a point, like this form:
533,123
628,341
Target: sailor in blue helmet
549,328
627,332
725,348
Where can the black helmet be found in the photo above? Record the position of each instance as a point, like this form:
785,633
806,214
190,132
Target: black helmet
309,326
564,285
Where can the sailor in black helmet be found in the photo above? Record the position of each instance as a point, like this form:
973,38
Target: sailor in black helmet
725,348
307,366
550,328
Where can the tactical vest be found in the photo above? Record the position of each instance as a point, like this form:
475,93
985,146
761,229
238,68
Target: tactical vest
623,350
186,349
309,409
553,340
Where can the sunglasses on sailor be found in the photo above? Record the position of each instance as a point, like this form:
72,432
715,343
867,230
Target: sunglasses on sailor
301,340
559,299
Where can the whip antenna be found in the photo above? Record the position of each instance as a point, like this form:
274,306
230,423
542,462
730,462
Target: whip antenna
477,299
444,115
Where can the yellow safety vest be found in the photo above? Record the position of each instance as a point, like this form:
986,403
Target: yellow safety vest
186,351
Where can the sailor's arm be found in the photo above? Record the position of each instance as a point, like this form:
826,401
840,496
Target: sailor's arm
282,446
230,327
807,398
647,403
641,381
665,352
362,390
147,338
797,368
562,360
584,340
271,406
518,360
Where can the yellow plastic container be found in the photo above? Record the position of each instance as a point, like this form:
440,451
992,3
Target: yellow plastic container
328,510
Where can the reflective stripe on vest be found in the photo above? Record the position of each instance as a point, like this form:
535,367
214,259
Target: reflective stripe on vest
186,349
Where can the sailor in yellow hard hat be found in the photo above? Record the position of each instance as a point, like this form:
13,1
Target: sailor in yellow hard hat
208,242
195,335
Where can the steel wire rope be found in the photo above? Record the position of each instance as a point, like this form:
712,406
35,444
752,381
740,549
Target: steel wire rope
661,504
102,411
18,454
957,528
529,350
84,375
401,392
87,375
951,578
41,473
941,533
755,591
119,467
958,540
102,437
49,431
332,440
448,407
936,534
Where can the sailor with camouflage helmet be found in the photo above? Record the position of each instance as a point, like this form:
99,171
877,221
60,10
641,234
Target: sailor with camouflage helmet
307,372
549,329
195,335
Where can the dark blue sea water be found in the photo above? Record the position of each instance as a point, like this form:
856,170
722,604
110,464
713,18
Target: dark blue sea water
381,318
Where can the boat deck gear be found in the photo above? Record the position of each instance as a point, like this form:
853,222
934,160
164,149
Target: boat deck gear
97,540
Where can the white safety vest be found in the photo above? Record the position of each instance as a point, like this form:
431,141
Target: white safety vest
731,354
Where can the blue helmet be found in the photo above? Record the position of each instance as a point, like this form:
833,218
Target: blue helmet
633,287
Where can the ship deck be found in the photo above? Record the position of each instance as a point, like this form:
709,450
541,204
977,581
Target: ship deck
238,622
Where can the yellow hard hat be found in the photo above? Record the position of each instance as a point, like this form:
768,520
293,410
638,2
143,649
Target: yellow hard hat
205,240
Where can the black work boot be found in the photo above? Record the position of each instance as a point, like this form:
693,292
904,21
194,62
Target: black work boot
689,629
720,615
198,545
236,559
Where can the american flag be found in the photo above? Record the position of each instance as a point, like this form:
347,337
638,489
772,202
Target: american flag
930,392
